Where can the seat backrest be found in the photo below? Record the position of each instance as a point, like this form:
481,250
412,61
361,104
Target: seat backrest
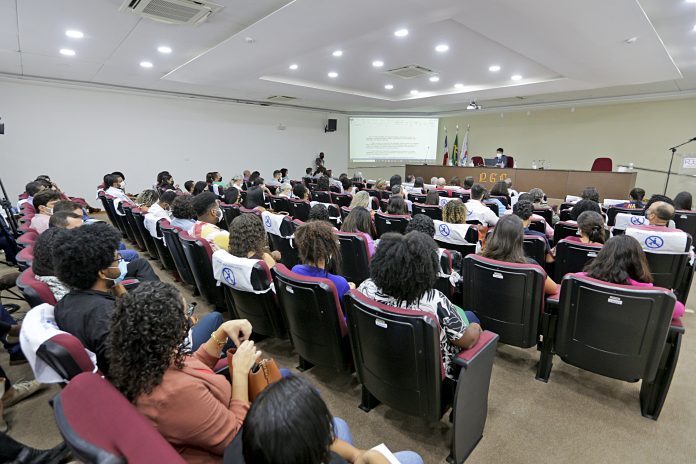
572,256
390,223
667,269
501,199
564,229
35,291
345,211
341,199
613,211
535,248
477,161
66,355
229,212
538,225
686,221
416,197
660,239
198,253
355,257
25,257
462,196
281,204
455,234
507,297
315,318
171,239
163,252
130,219
397,355
248,283
100,425
614,330
602,164
432,211
510,162
321,197
148,240
450,263
546,213
300,209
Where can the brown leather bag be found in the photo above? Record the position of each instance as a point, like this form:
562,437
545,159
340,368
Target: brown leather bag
264,373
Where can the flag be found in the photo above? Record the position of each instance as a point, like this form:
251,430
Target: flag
464,153
445,157
455,151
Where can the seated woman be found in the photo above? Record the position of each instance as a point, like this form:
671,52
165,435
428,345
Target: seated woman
623,261
146,198
524,210
454,212
183,214
248,239
196,411
290,423
506,244
320,254
319,212
582,206
323,184
361,199
199,187
397,205
359,221
348,186
418,185
591,228
683,201
539,201
410,285
432,198
500,189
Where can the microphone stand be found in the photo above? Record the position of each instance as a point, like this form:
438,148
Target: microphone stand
7,206
671,160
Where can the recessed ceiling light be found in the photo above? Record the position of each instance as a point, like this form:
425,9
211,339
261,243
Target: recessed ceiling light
67,52
378,63
515,77
164,49
337,53
414,92
73,34
442,48
434,79
458,85
145,64
388,86
293,67
401,33
494,68
332,74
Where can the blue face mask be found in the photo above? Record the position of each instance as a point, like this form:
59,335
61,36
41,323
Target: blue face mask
123,267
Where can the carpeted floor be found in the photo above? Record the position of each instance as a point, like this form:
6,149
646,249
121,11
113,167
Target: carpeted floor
577,417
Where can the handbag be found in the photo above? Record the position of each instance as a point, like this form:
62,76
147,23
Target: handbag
261,375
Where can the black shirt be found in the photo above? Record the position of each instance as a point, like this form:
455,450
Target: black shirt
254,198
86,314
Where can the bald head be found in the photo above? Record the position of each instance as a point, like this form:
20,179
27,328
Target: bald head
660,213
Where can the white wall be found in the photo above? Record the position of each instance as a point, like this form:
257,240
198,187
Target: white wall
77,135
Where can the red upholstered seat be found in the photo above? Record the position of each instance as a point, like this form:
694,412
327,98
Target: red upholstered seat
35,291
477,160
100,425
602,164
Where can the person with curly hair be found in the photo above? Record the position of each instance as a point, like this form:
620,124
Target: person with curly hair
146,199
196,411
248,239
359,221
410,285
319,212
320,254
421,223
524,210
183,214
454,212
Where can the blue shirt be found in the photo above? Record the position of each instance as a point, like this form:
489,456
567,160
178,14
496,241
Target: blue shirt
310,271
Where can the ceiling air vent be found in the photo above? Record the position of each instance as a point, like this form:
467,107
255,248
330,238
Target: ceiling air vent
172,11
410,71
281,98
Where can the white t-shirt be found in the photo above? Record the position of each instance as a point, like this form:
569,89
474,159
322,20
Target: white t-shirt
478,211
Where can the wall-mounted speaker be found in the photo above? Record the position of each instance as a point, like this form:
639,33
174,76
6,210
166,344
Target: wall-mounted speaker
330,126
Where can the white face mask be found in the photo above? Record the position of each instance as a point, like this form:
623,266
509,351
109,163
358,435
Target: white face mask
219,215
122,185
498,155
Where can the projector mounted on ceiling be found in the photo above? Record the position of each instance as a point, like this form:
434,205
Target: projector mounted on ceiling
474,106
172,11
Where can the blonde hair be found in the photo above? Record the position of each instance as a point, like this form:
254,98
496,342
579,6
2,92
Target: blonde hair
381,184
454,212
362,198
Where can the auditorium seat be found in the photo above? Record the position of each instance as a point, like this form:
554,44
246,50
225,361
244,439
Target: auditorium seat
100,425
602,164
538,225
199,255
281,237
27,238
281,204
398,362
617,331
573,256
321,197
462,196
34,291
564,229
25,257
510,162
507,297
66,355
686,221
315,319
390,223
171,240
163,252
417,197
355,257
546,213
449,278
248,288
130,219
535,248
345,211
457,237
300,209
477,161
229,212
341,199
432,211
148,239
614,210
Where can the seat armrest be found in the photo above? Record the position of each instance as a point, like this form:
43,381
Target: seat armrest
677,326
552,302
487,341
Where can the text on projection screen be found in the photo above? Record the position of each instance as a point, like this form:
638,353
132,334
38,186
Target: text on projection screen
385,139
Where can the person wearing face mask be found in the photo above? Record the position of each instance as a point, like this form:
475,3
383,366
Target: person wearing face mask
116,186
43,204
500,159
209,215
159,210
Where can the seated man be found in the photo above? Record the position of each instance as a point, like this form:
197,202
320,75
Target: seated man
637,195
399,190
32,188
659,236
114,187
660,214
524,210
209,215
159,210
300,192
275,180
476,210
285,190
65,220
43,204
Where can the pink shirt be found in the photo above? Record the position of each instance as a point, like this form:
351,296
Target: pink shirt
40,222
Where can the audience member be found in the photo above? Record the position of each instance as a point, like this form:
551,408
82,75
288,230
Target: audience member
410,285
199,188
165,380
506,244
42,265
165,183
433,180
255,197
441,183
660,214
65,220
421,223
513,193
582,206
394,180
432,198
590,193
248,239
300,192
183,214
115,185
397,205
159,210
209,215
285,190
348,186
683,201
636,194
623,261
477,210
591,227
43,204
319,212
524,210
455,182
657,197
468,182
500,189
454,212
320,254
418,184
359,221
284,178
381,184
189,185
275,180
32,188
145,199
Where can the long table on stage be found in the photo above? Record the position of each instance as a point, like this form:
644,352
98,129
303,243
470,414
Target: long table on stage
556,183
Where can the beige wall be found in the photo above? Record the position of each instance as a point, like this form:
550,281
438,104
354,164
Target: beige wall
630,132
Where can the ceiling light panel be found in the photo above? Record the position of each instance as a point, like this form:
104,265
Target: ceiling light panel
74,34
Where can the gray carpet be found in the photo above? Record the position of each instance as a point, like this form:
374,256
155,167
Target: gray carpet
577,417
